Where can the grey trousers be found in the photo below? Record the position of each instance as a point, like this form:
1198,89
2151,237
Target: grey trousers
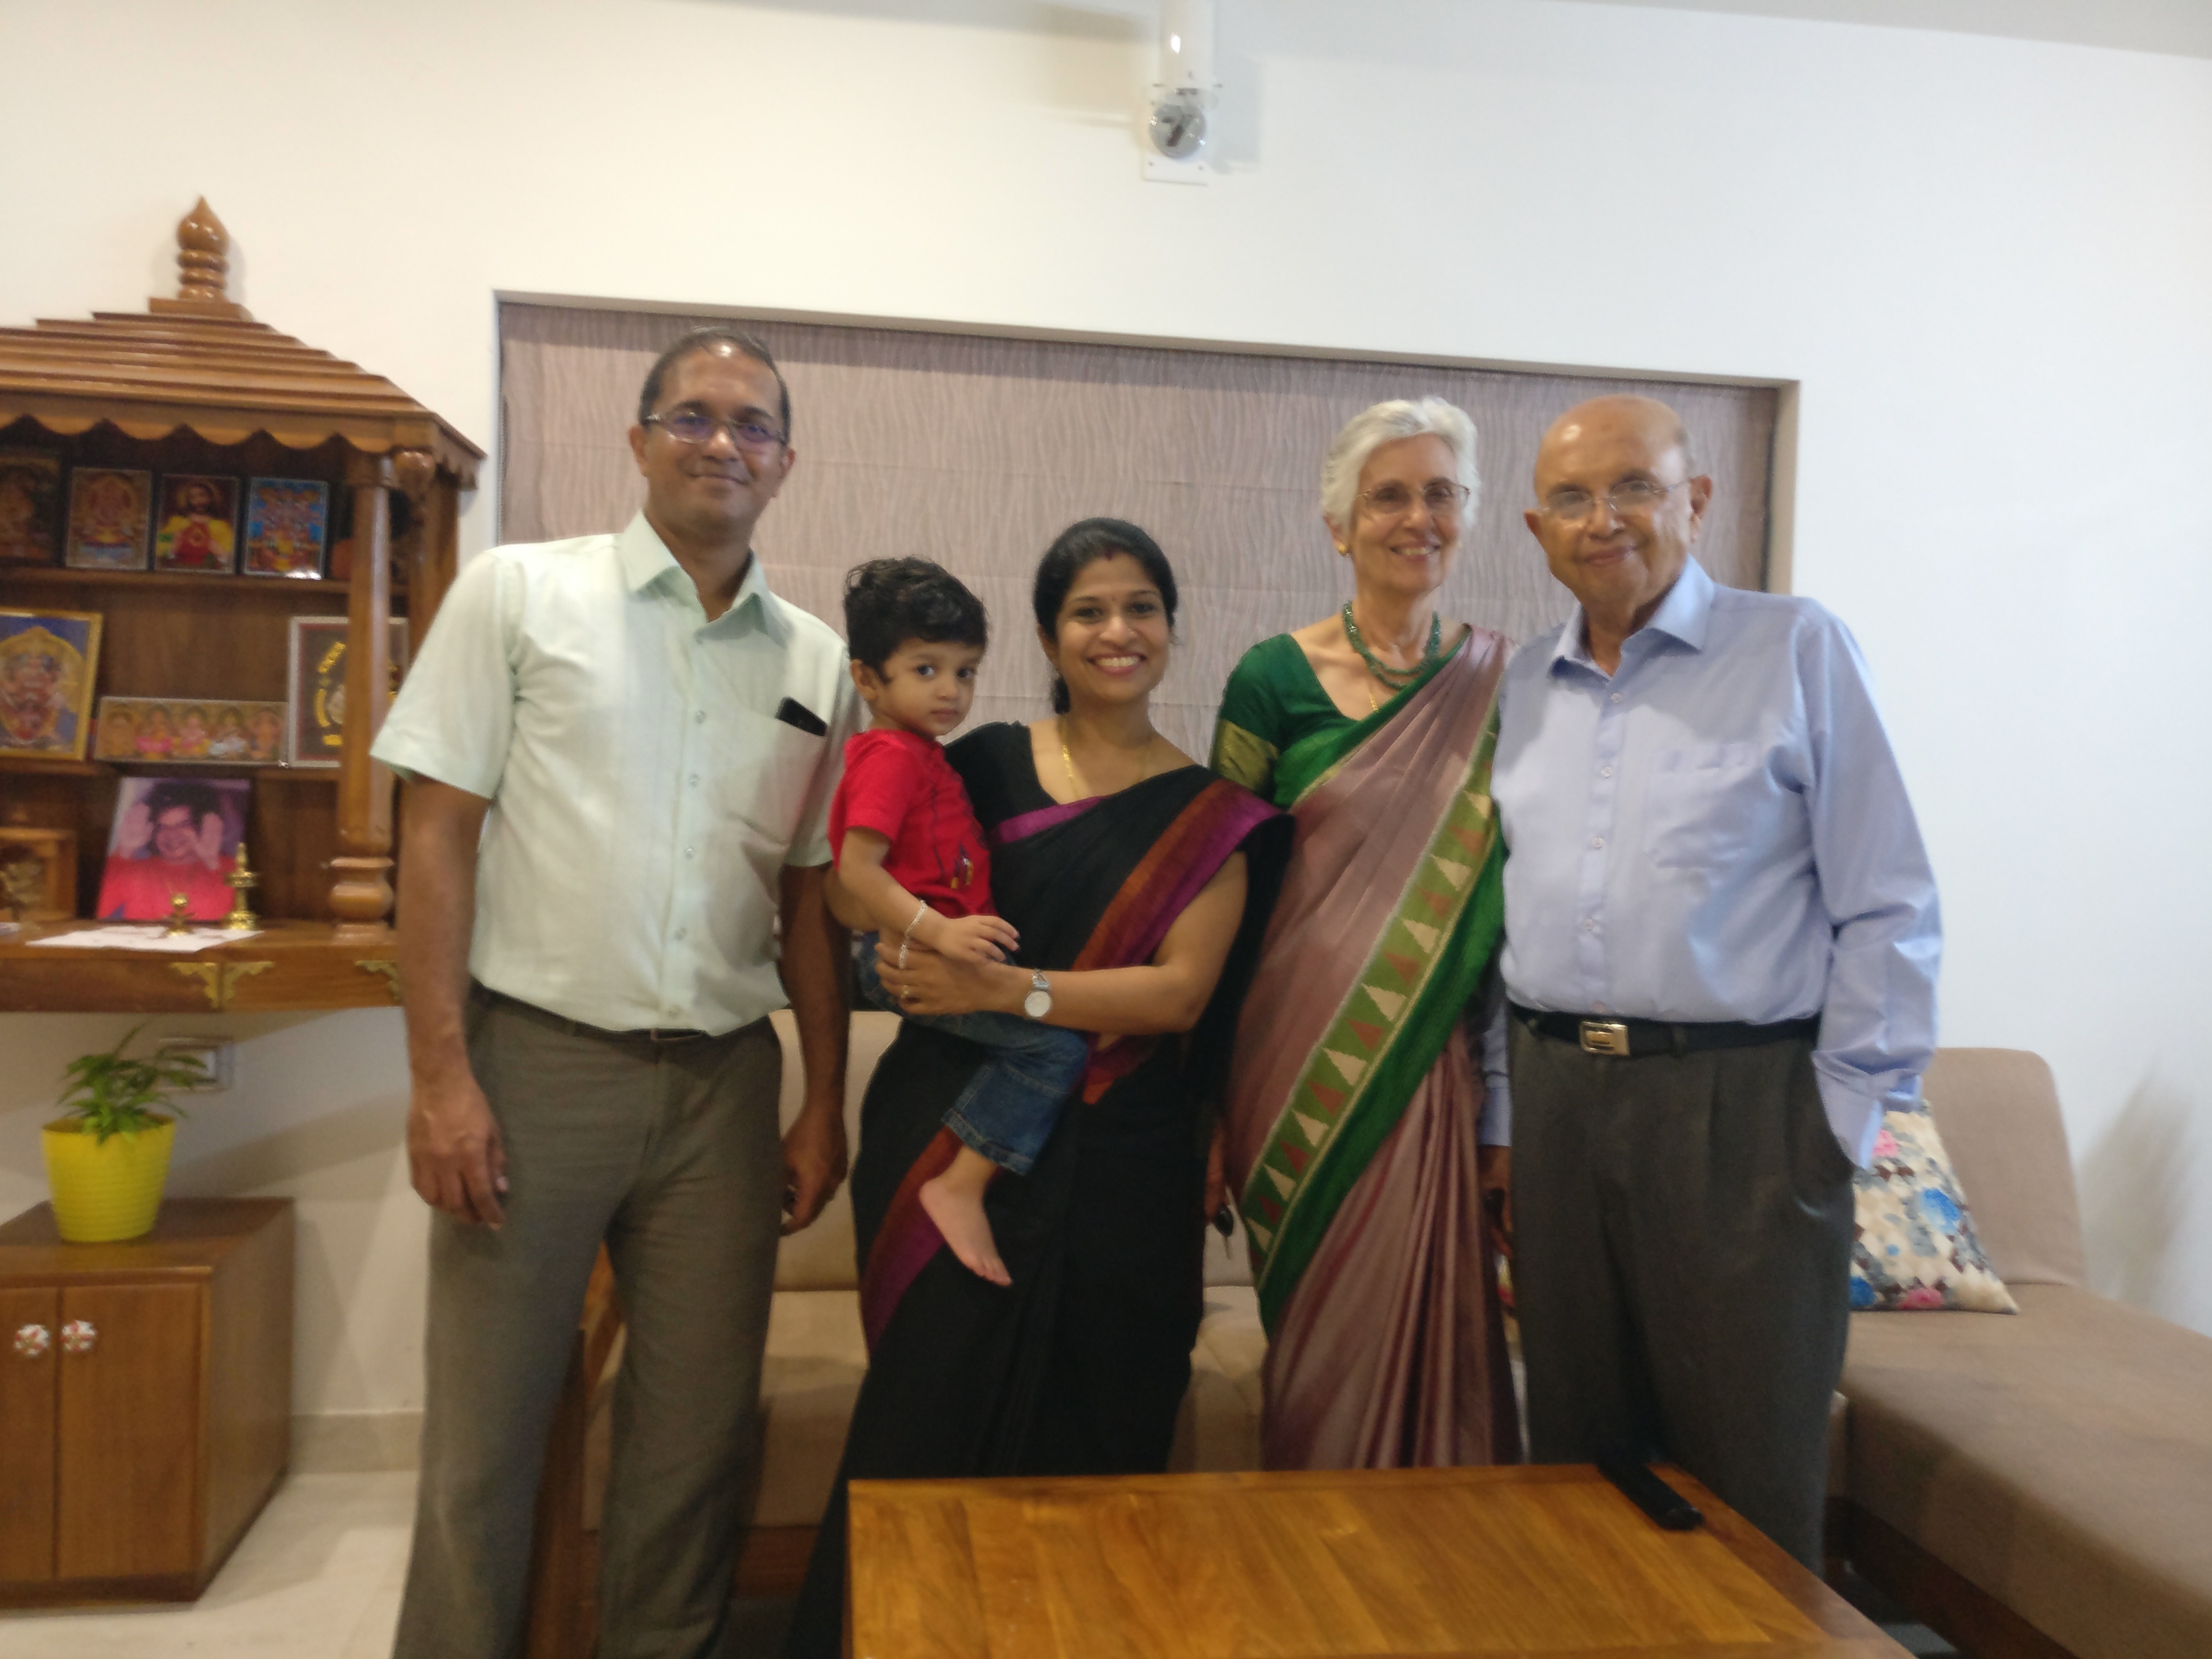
670,1153
1683,1230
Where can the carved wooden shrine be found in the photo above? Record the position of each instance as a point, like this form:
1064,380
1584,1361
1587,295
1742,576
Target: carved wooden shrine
195,384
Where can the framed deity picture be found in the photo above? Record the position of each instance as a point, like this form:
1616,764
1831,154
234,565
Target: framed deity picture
174,836
318,686
30,506
287,524
196,731
47,661
110,510
195,527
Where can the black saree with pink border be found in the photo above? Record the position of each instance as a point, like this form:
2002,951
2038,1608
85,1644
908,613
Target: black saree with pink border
1080,1366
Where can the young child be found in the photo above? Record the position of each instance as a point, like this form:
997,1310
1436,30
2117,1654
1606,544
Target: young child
910,855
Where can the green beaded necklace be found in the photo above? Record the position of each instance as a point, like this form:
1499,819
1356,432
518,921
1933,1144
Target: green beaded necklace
1397,678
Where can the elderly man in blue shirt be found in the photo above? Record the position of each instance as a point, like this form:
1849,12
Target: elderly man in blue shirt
1721,950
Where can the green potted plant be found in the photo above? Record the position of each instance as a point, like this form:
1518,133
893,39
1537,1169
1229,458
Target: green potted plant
108,1154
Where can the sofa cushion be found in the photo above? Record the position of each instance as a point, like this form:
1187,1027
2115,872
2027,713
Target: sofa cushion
1228,1259
1218,1427
1999,1110
1914,1247
2061,1460
821,1257
811,1377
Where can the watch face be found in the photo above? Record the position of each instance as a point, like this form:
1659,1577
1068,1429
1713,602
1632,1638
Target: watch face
1037,1004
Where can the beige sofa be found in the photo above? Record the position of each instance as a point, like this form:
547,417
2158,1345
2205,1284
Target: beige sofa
2037,1484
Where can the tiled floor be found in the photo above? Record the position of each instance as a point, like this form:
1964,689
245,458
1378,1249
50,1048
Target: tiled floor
319,1578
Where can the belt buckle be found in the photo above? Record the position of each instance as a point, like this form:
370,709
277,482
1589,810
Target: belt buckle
1605,1036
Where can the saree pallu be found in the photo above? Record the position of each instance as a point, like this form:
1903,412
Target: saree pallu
1080,1366
1354,1101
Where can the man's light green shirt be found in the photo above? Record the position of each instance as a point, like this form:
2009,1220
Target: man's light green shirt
645,797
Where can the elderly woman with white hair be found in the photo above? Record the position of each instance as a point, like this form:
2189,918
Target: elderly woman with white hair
1357,1116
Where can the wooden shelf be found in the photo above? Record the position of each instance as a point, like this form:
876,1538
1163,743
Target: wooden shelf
39,766
291,966
48,575
34,766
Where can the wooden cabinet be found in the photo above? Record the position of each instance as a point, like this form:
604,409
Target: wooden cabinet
145,1400
195,386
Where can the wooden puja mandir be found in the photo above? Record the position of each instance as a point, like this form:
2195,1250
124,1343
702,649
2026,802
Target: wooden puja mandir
194,386
1548,1561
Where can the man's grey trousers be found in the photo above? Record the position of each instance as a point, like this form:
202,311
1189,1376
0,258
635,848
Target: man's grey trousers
1683,1228
669,1152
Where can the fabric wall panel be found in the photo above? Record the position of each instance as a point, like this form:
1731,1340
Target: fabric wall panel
976,450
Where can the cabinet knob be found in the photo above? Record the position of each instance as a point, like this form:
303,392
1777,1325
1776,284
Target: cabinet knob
32,1342
78,1336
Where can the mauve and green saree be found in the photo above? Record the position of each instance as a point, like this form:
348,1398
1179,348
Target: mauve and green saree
1354,1101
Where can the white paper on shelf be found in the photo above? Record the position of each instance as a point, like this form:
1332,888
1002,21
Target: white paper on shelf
140,938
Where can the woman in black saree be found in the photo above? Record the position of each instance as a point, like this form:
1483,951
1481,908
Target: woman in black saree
1138,882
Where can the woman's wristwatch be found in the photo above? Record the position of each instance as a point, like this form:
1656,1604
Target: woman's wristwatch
1038,1003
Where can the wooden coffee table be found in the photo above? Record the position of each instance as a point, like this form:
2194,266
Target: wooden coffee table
1547,1561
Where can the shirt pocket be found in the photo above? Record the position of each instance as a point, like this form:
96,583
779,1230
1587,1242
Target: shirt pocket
1704,805
771,777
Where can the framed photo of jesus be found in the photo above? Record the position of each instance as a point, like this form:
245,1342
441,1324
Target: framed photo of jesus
195,526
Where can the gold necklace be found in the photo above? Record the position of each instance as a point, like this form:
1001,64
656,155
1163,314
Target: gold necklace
1060,725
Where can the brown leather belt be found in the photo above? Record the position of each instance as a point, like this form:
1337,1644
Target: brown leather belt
1637,1039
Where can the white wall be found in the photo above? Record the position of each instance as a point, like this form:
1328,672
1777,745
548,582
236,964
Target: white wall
1988,261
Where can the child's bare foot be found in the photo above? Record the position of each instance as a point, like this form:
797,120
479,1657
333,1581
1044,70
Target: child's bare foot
954,1201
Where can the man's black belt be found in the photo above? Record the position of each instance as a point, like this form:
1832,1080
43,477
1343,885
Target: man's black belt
660,1034
1634,1039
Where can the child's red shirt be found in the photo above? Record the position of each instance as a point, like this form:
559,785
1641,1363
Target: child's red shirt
899,784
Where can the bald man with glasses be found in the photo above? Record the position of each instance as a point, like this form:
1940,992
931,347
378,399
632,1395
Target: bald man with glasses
1722,942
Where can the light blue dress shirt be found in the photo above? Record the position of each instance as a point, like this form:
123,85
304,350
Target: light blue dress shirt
646,797
1719,831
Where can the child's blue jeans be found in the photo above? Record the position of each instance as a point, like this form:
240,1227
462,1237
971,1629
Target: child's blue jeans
1008,1111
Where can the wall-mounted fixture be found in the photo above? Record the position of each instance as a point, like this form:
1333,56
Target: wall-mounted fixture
212,1054
1183,98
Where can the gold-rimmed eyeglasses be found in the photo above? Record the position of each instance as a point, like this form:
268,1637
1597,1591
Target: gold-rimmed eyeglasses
1395,500
1631,495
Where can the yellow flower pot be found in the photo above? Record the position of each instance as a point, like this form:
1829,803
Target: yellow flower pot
107,1190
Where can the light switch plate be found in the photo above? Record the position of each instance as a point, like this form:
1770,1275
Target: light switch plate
212,1054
